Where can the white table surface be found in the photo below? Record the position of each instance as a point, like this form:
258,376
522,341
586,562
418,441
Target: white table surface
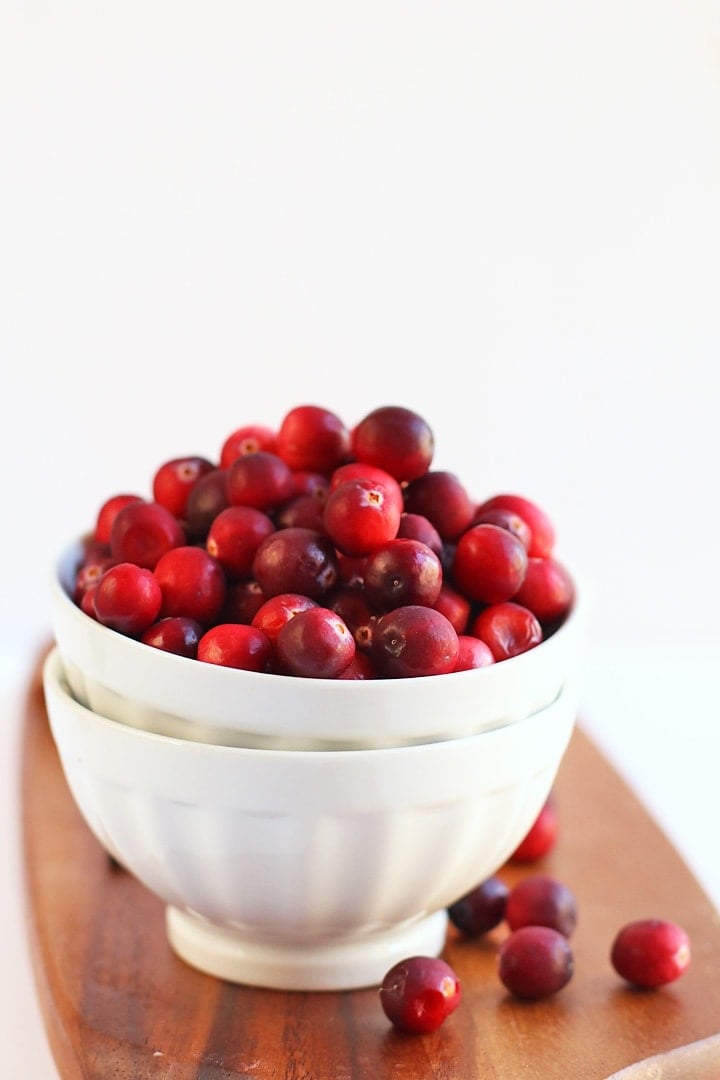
655,713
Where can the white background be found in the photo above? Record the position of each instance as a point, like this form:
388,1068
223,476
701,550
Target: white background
505,216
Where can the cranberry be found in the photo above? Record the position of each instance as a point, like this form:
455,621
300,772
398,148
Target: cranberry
540,525
142,532
395,439
535,962
262,480
472,653
108,512
352,607
234,537
127,599
505,518
417,527
304,511
315,644
412,641
307,482
247,440
205,501
443,500
193,584
314,438
174,480
296,560
489,564
89,575
542,835
481,909
507,629
235,645
274,613
242,600
175,634
454,607
542,900
359,470
402,572
360,667
418,994
360,515
651,952
547,589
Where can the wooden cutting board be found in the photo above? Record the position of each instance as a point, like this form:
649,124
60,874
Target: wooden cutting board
119,1005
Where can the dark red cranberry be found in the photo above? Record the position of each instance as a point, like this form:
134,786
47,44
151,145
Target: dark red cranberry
481,909
234,537
127,599
412,641
235,645
303,511
307,482
262,480
296,560
175,634
352,607
650,952
360,668
395,439
542,900
541,527
535,962
311,437
547,590
443,500
193,584
107,514
418,994
174,480
489,564
505,518
402,572
205,501
360,515
315,644
242,600
142,532
507,629
247,440
417,527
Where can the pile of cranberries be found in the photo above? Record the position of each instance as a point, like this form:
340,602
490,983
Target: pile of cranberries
534,958
325,551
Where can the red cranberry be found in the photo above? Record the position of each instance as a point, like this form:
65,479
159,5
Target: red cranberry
547,589
535,962
505,518
234,537
192,583
307,482
454,607
314,438
395,439
481,909
360,668
275,612
359,470
412,641
472,653
175,634
205,501
127,599
235,645
489,564
507,629
142,532
107,514
443,500
352,607
651,952
360,515
542,835
541,527
541,900
303,511
296,560
247,440
242,600
174,480
417,527
418,994
402,572
315,644
262,480
89,575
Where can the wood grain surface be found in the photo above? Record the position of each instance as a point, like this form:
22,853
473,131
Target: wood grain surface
119,1005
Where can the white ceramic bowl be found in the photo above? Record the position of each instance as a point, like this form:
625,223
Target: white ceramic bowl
306,869
172,695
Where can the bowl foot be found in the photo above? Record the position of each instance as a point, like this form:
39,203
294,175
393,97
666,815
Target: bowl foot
342,964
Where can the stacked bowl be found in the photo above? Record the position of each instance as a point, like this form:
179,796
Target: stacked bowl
304,833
